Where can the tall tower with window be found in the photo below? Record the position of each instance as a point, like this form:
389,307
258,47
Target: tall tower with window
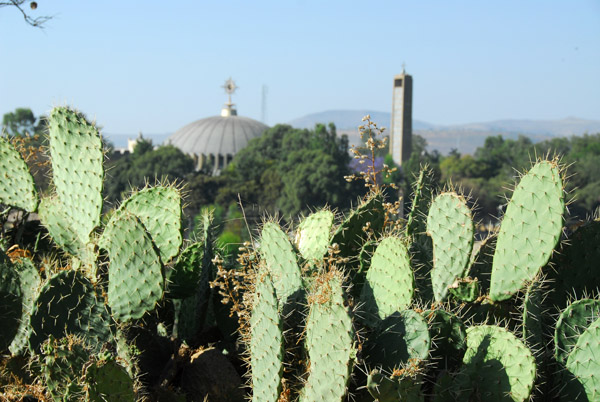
401,134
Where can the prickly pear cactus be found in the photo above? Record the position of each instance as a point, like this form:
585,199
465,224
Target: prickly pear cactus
11,303
312,238
496,366
530,230
135,281
57,223
159,209
29,280
106,380
572,322
77,169
276,250
62,366
450,226
329,341
389,282
16,187
583,361
266,342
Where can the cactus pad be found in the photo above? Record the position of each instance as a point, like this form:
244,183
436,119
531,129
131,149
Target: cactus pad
448,334
389,281
399,338
496,365
329,341
16,187
29,280
62,367
583,361
266,342
312,238
573,321
530,230
107,380
11,303
276,250
57,222
68,304
450,226
187,272
135,281
159,209
77,169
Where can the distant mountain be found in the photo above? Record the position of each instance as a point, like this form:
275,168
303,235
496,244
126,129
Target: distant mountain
464,137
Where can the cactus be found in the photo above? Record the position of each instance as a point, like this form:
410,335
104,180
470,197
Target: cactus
583,362
450,226
105,379
389,281
16,187
56,221
281,262
572,322
496,365
29,280
416,223
533,314
448,334
530,230
312,238
68,304
135,275
62,366
329,341
266,342
77,169
187,273
159,209
11,303
481,263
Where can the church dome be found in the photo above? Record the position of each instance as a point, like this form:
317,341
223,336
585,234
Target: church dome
213,141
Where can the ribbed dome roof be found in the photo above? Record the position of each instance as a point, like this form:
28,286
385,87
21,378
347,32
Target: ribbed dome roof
217,135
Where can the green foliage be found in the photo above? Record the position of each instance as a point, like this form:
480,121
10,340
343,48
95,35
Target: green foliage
22,121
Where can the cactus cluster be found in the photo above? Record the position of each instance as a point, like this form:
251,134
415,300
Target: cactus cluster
368,307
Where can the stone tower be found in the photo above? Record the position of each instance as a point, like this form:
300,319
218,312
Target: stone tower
401,134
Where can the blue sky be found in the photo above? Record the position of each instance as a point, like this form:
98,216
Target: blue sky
155,66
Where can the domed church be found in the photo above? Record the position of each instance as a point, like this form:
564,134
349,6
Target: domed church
213,141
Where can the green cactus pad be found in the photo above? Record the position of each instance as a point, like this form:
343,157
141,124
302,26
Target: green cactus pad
450,226
135,281
583,362
465,289
57,222
312,238
399,338
77,169
186,275
29,280
266,342
276,250
68,304
107,380
329,341
416,223
496,366
350,235
533,314
62,367
389,281
11,304
17,188
394,389
481,263
448,334
572,322
530,230
159,209
574,269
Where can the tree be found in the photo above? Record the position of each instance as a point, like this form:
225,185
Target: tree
37,22
22,121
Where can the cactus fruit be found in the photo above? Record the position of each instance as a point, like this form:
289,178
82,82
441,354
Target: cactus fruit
106,380
572,322
266,342
400,337
276,250
16,187
29,280
77,169
389,281
329,341
450,226
583,362
159,209
312,238
530,230
11,303
68,304
496,366
135,280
